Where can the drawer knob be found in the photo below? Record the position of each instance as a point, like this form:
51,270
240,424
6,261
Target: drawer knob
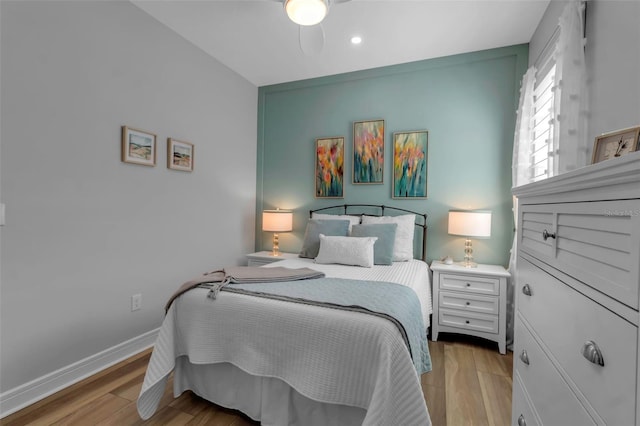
592,353
522,421
468,284
467,321
524,357
468,303
546,234
526,290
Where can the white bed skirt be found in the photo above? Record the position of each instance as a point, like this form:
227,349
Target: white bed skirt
268,400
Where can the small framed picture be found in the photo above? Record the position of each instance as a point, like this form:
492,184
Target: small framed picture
615,144
329,168
179,155
368,151
138,146
410,164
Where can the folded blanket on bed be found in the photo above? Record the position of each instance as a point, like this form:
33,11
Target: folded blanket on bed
244,275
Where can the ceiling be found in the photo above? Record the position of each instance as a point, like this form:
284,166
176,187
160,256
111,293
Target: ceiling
257,40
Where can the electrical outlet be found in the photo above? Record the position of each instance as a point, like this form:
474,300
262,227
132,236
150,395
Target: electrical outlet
136,302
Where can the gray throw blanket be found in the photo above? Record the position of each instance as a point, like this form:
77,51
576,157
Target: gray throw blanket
244,275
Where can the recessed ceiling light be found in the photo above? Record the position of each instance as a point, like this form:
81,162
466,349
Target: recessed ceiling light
356,40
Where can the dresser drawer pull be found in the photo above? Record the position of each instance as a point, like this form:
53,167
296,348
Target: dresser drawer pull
592,353
546,234
468,303
522,421
524,357
468,284
526,290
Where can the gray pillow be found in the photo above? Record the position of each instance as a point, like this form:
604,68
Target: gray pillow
383,248
311,243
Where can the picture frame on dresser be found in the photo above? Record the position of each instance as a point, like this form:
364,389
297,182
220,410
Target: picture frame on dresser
138,146
615,144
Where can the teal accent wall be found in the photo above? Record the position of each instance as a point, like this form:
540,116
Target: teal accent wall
466,102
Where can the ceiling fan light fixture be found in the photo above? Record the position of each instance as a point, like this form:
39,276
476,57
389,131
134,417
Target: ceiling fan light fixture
306,12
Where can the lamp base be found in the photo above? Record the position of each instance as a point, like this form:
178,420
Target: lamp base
275,252
468,255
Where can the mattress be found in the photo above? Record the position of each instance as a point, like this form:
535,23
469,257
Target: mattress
334,365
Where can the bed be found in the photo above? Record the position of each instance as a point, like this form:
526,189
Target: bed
287,363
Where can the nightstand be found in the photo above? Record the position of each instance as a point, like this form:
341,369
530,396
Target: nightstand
264,257
470,301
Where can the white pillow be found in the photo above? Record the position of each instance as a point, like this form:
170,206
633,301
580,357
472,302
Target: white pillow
353,220
403,246
354,251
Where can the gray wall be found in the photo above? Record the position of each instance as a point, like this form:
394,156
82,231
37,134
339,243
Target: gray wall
612,59
85,231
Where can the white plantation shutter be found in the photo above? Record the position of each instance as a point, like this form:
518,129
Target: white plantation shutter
542,125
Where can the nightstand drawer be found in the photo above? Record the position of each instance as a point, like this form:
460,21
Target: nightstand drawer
479,285
469,320
469,302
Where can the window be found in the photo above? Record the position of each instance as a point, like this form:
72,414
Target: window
542,124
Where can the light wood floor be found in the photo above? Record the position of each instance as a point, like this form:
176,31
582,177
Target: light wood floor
470,385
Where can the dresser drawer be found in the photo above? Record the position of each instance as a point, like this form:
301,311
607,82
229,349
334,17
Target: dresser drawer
554,402
479,285
469,320
597,243
565,320
469,302
522,413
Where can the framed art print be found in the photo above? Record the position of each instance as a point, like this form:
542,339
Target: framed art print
329,170
138,146
410,164
179,155
615,144
368,151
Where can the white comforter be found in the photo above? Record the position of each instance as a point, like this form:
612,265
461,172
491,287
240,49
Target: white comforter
327,355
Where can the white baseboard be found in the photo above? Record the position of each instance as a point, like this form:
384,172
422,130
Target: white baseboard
35,390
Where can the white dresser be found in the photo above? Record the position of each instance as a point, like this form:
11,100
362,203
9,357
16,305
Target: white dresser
576,343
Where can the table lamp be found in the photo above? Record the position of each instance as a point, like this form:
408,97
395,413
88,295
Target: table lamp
469,224
277,221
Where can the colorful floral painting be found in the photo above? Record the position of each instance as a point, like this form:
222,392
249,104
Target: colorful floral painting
330,167
368,151
410,164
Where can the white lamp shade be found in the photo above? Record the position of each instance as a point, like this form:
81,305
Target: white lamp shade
277,220
470,224
306,12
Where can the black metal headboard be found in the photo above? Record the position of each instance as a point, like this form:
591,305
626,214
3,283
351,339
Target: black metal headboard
379,210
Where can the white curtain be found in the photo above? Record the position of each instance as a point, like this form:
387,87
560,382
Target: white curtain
570,105
521,174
